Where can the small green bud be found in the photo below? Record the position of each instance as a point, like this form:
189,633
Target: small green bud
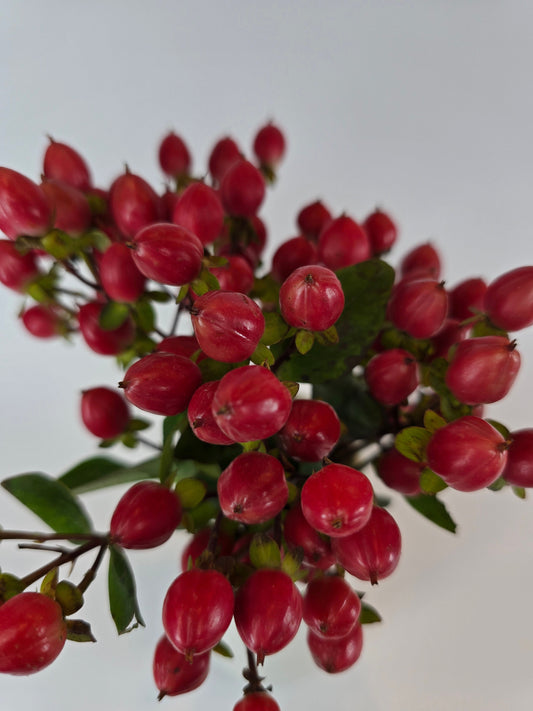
69,597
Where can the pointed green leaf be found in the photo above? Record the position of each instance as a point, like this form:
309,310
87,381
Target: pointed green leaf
100,472
275,328
502,429
433,509
51,500
122,593
262,354
113,315
145,316
430,482
79,631
433,421
519,491
223,649
412,443
304,341
369,614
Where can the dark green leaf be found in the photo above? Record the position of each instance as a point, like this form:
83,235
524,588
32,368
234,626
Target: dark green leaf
51,500
145,316
122,594
430,482
275,328
160,297
88,471
451,408
369,614
172,423
433,509
90,475
497,485
412,443
170,427
502,429
366,289
113,315
223,649
79,631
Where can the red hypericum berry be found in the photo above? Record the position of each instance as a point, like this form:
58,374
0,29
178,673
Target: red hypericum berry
299,533
312,219
253,488
337,500
62,162
199,542
133,204
392,376
161,383
311,432
168,254
268,612
104,412
269,145
17,270
236,275
373,552
250,403
32,633
201,418
242,189
519,468
418,307
200,211
228,325
336,655
174,674
181,345
311,298
197,610
331,608
468,453
482,370
121,279
343,242
101,340
224,154
400,473
422,262
452,332
174,156
466,298
509,299
381,230
24,209
293,253
43,321
69,207
146,516
257,701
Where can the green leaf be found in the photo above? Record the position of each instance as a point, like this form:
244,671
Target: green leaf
190,492
275,328
412,443
170,427
122,594
267,289
433,421
502,429
304,341
200,287
519,491
486,328
113,315
450,407
433,509
99,472
430,482
369,614
145,316
172,423
51,500
210,279
160,297
79,631
262,354
223,649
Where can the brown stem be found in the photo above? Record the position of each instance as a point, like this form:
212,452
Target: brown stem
90,575
99,539
66,557
255,682
72,270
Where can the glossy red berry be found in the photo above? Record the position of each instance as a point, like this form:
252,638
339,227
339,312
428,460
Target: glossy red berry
291,254
197,610
174,674
269,145
235,275
242,189
452,332
201,418
69,207
32,633
373,552
133,204
17,269
24,209
336,655
509,299
62,162
337,500
422,262
101,340
299,534
418,307
257,701
311,431
400,473
381,230
250,403
168,254
330,607
343,242
392,376
228,325
161,383
119,275
468,453
268,611
253,488
200,211
311,298
174,156
312,219
43,321
146,516
467,297
223,155
180,345
482,370
519,467
104,412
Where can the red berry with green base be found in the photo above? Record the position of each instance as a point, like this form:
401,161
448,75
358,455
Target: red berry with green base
242,189
133,204
269,145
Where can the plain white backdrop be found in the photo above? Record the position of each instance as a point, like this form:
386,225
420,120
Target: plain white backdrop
424,108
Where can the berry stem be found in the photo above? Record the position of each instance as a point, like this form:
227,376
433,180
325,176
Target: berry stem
66,557
90,575
97,539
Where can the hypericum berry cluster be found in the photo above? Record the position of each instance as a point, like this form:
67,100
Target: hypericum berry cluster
270,486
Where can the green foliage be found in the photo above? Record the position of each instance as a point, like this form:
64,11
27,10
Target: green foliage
433,509
123,603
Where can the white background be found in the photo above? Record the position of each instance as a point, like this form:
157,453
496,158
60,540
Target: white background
422,107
